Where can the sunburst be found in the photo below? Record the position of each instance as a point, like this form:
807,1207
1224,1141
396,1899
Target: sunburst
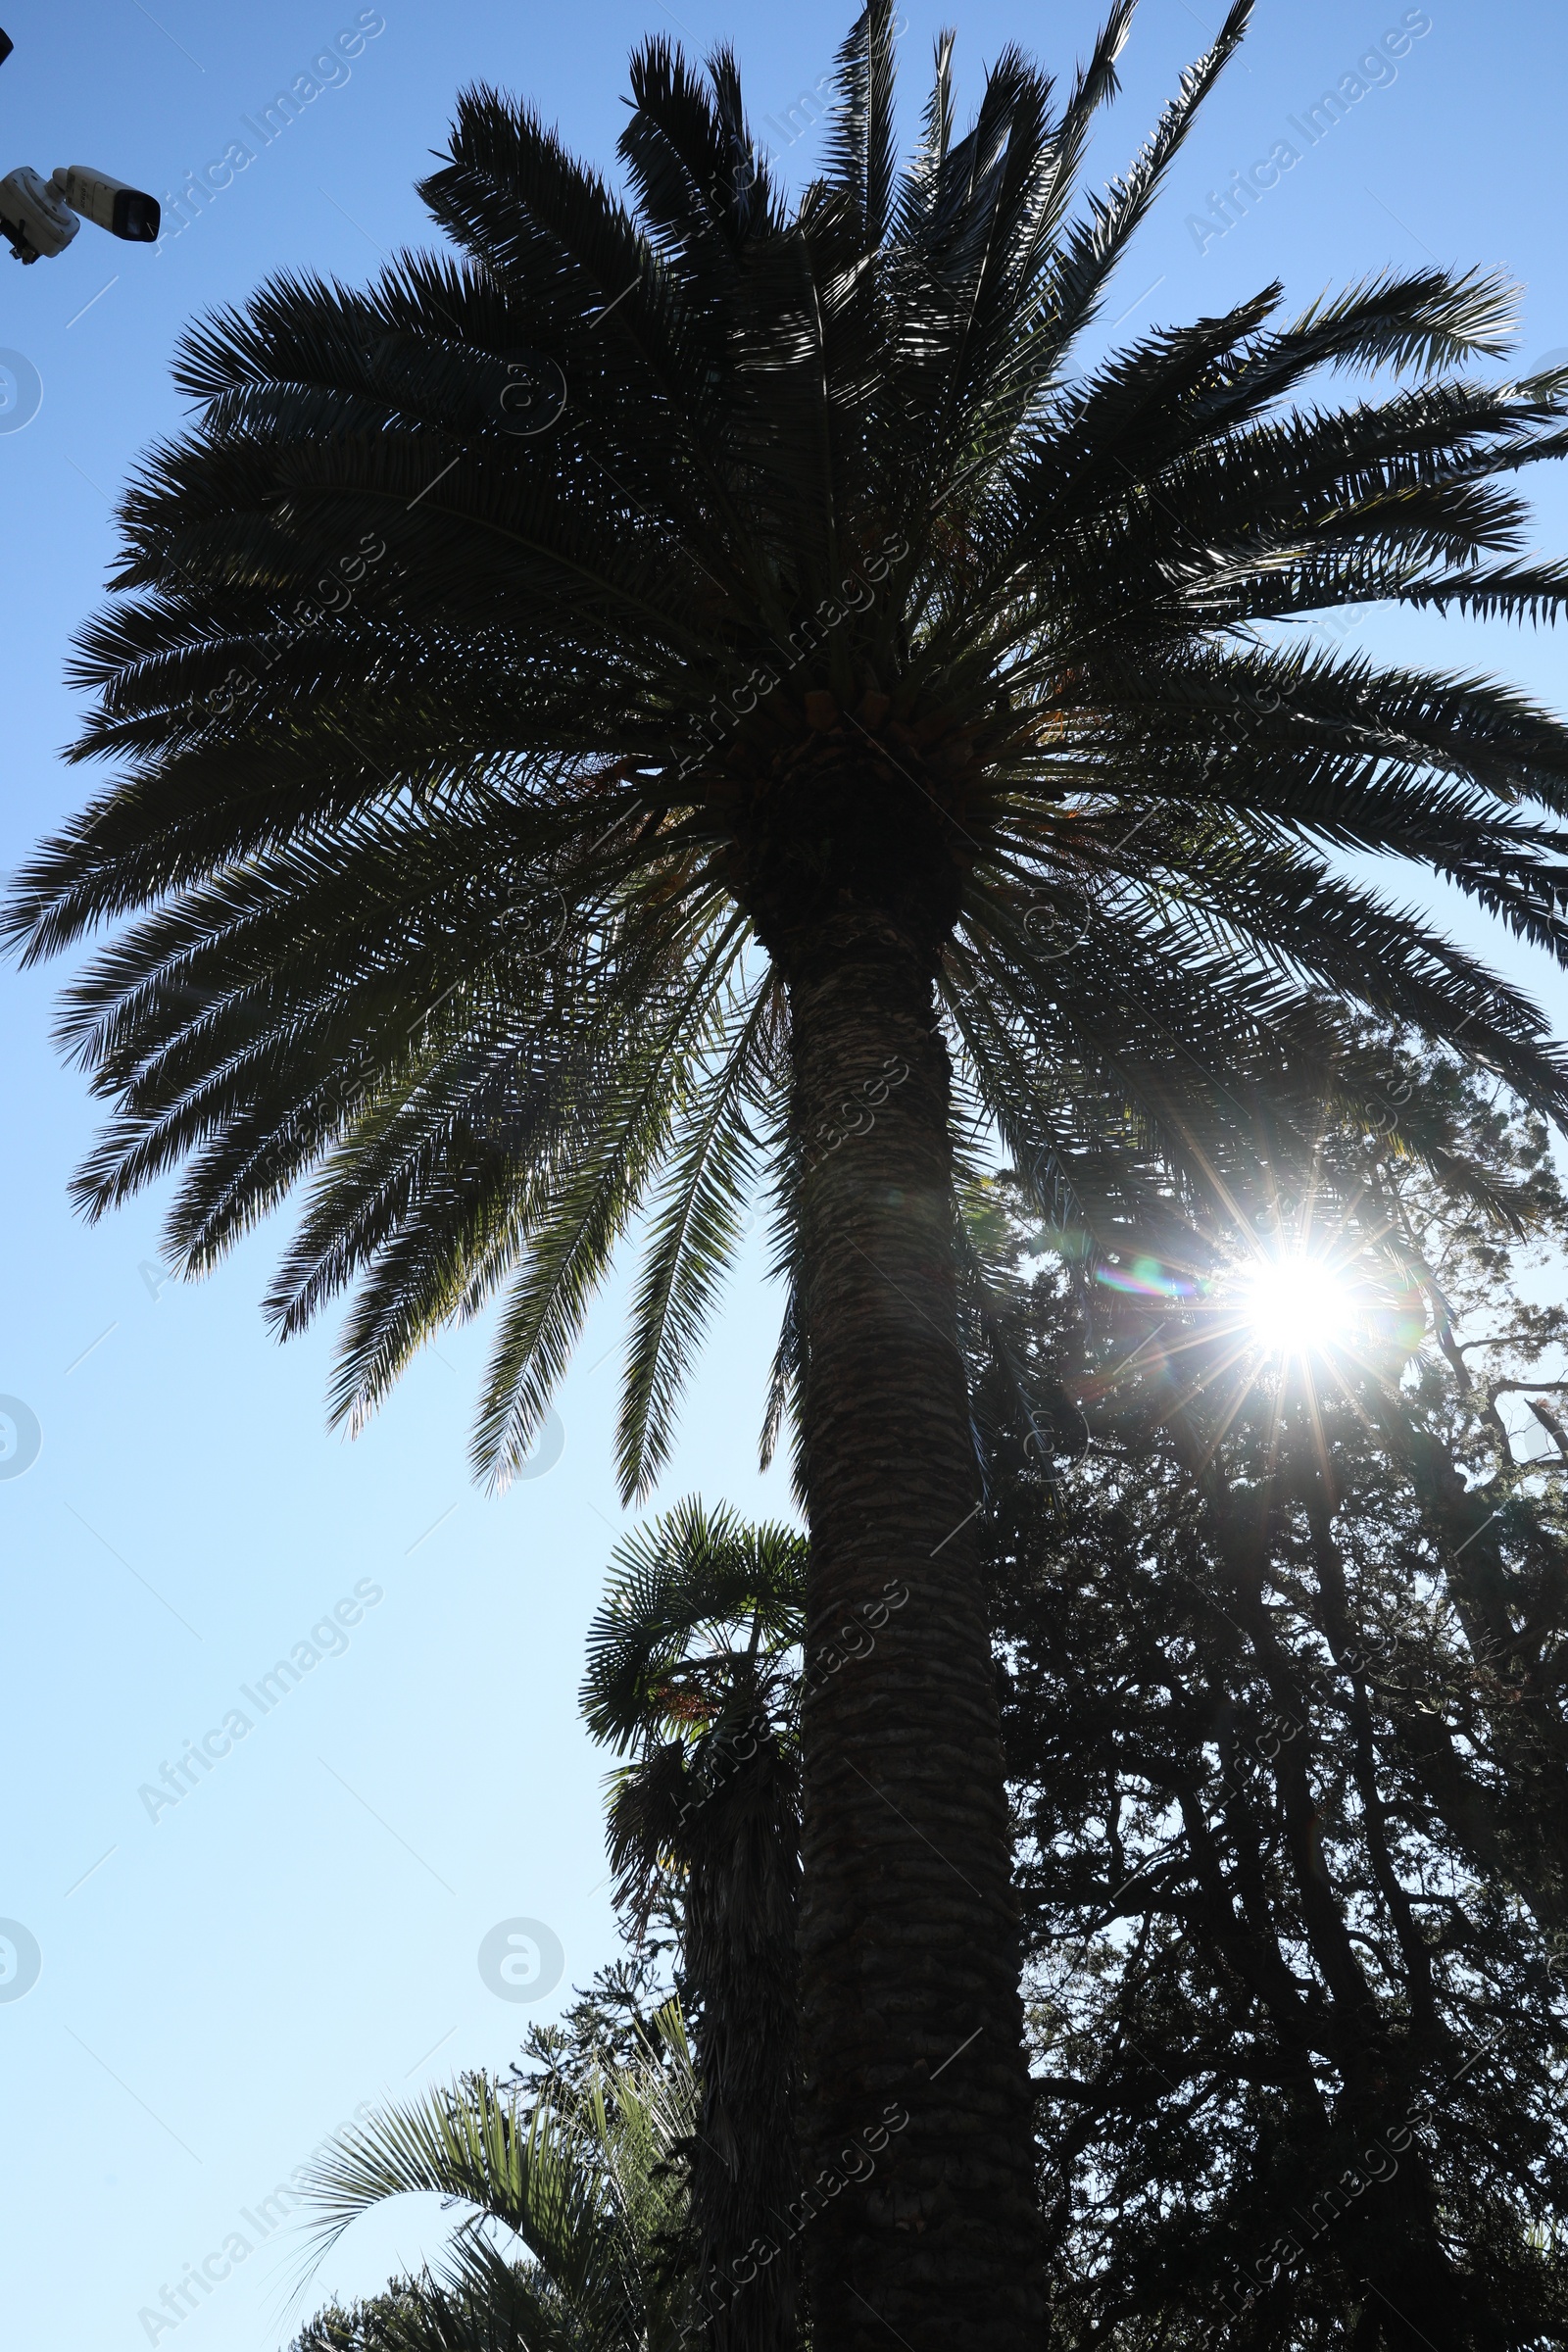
1303,1311
1298,1303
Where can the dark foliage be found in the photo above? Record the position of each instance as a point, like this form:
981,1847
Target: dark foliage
467,772
1287,1731
691,1669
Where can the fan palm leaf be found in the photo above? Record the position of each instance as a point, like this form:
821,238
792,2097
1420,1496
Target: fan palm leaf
568,2211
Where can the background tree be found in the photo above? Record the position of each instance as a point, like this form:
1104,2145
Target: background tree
572,2204
1300,2065
693,1667
525,827
610,2027
1288,1768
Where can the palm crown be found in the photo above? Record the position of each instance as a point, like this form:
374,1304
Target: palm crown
483,784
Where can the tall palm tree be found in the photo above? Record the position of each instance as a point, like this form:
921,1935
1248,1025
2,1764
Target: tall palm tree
690,1668
696,679
568,2214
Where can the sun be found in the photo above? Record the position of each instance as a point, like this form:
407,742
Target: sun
1297,1305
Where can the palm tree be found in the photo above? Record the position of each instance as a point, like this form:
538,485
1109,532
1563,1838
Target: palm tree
691,683
569,2210
690,1667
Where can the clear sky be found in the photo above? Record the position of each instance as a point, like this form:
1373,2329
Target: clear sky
221,1986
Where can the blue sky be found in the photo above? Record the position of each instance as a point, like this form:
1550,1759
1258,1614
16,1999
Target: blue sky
221,1986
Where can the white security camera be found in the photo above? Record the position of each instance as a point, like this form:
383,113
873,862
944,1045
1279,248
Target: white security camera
38,217
125,212
35,218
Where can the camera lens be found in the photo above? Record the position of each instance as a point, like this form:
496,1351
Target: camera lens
136,217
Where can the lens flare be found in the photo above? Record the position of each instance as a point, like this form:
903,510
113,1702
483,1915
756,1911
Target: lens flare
1297,1305
1146,1278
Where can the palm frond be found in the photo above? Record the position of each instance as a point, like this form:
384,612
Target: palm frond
461,768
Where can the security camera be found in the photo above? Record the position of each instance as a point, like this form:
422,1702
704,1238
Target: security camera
125,212
35,218
38,217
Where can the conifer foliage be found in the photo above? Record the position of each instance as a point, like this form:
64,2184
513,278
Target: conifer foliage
1287,1733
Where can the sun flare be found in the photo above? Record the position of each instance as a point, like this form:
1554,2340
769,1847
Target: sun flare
1297,1305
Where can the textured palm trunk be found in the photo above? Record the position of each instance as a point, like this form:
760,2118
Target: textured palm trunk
918,2215
742,1895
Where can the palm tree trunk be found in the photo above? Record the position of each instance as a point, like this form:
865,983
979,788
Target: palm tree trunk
742,1902
910,1946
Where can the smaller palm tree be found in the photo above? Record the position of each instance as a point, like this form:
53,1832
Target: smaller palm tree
691,1670
573,2205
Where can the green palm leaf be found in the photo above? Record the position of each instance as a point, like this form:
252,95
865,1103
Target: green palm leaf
585,2193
